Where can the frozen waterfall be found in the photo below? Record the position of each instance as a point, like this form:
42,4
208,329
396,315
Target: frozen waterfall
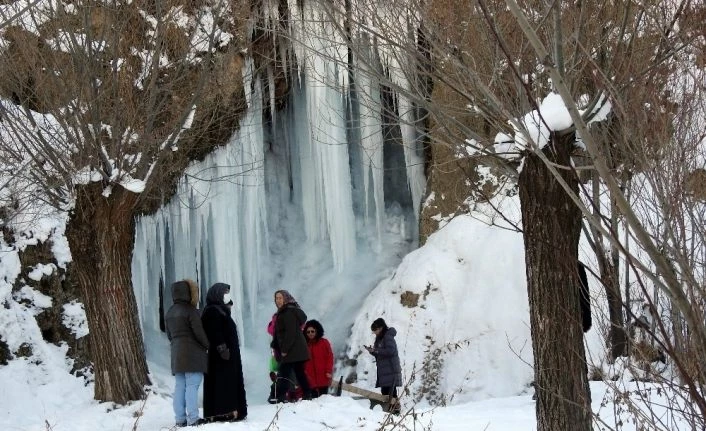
320,198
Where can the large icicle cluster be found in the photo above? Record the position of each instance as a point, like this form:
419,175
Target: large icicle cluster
215,230
339,81
303,198
323,150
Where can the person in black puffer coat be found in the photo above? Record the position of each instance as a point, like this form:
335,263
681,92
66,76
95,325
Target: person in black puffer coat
223,389
290,343
387,360
189,344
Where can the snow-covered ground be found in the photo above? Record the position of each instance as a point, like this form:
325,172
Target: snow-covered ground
45,397
57,401
476,304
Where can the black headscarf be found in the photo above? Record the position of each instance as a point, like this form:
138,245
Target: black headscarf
214,297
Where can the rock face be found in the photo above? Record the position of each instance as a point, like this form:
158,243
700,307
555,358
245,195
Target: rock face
5,354
456,177
40,272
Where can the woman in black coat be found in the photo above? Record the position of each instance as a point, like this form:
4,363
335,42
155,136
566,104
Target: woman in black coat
387,360
223,389
290,344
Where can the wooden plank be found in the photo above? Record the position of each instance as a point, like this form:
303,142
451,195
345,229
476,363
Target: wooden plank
366,393
388,404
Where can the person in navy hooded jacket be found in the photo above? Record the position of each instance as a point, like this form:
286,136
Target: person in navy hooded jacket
387,360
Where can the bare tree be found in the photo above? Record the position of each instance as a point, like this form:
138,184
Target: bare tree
103,106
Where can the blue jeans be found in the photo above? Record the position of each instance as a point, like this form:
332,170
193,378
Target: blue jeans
186,397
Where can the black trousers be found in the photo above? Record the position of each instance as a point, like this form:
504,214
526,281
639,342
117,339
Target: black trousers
392,392
389,390
284,382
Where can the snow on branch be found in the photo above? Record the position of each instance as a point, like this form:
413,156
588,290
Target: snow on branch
533,130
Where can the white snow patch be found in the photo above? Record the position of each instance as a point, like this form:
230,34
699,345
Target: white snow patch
40,270
536,126
74,318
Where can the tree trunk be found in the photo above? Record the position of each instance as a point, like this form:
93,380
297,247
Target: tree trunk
552,226
609,274
101,236
617,338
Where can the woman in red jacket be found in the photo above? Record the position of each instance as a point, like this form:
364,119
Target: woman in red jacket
319,367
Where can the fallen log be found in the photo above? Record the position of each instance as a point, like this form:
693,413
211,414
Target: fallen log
388,403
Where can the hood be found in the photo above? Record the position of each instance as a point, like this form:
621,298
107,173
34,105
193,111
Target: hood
298,312
194,290
391,332
181,292
301,315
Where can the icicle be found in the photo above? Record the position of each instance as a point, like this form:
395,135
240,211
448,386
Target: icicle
284,54
414,160
336,179
323,151
215,228
254,212
271,87
247,73
372,144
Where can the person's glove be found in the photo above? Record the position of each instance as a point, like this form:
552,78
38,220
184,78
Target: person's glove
223,351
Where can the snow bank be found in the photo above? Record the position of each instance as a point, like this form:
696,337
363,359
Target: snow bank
460,307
